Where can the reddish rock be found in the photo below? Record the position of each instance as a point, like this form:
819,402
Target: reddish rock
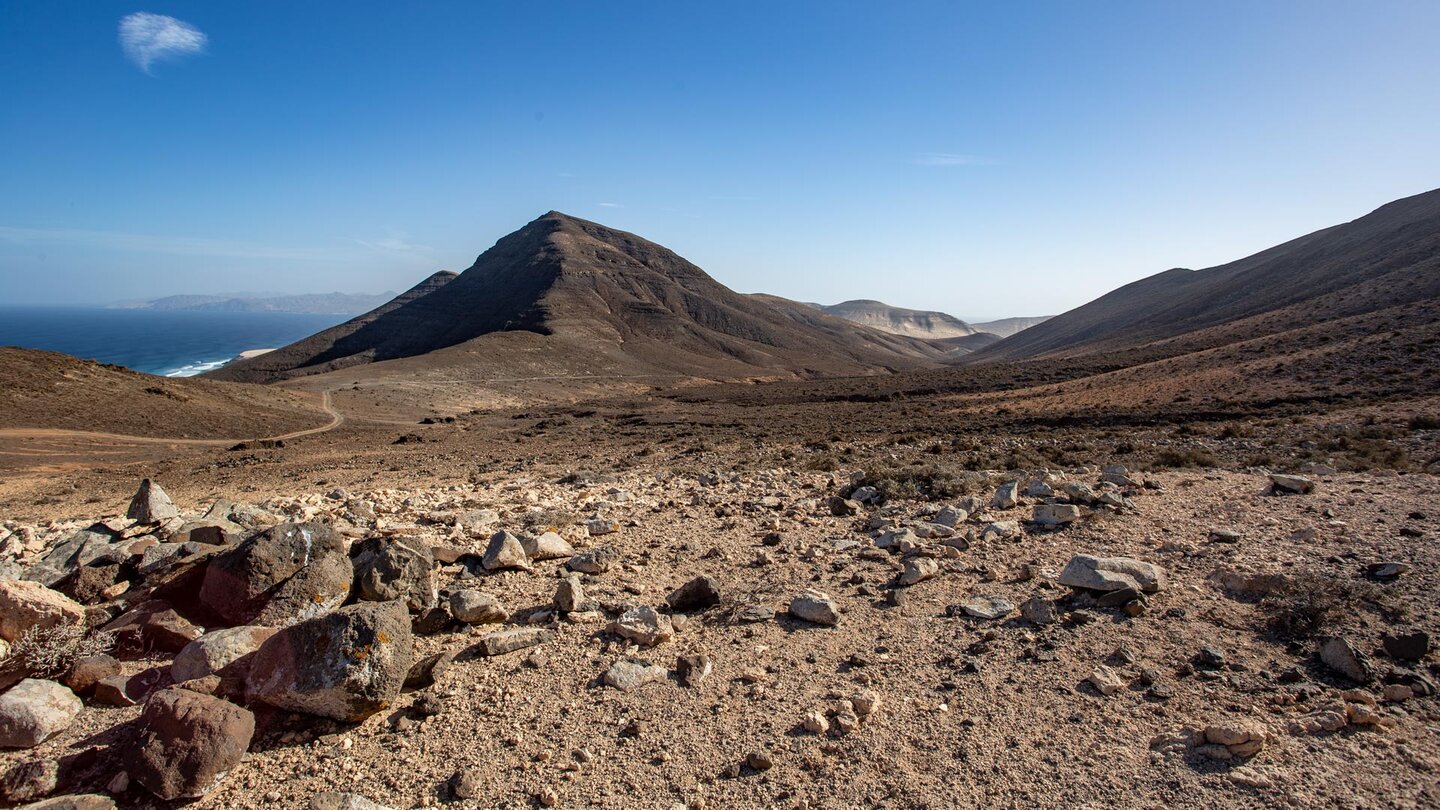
188,743
89,671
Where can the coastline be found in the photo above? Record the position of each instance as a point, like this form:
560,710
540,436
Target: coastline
196,369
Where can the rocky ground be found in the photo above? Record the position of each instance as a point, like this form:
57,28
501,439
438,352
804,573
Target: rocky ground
1083,636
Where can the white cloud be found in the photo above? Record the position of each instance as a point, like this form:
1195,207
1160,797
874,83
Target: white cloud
396,243
948,159
147,38
144,243
610,205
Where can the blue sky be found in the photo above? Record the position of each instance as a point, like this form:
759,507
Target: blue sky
985,159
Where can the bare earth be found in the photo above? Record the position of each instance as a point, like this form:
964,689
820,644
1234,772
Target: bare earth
972,711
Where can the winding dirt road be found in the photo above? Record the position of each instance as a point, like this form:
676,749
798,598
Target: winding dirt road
336,420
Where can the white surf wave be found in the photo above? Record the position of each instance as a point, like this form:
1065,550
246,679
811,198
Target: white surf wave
192,369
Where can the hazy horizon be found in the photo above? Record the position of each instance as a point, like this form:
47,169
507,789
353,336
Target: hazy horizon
1016,161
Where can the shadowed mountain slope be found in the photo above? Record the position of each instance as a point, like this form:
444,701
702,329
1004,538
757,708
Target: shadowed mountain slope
327,346
1385,259
594,294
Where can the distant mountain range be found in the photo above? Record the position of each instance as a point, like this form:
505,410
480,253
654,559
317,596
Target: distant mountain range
924,323
335,303
898,320
1005,327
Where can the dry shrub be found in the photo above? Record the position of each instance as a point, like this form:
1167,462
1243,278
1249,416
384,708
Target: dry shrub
922,481
52,651
1312,602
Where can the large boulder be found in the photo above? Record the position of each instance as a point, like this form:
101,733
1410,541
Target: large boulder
188,743
288,573
25,605
346,665
35,710
216,650
151,504
1112,574
394,568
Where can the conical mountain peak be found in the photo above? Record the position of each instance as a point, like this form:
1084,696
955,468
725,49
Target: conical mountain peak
591,294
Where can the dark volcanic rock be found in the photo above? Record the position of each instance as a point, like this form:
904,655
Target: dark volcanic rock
98,543
394,568
347,664
580,281
697,594
290,572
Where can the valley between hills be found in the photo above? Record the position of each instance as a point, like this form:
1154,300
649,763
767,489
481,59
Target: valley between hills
582,527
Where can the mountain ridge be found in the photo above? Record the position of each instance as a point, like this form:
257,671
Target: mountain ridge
1387,257
594,291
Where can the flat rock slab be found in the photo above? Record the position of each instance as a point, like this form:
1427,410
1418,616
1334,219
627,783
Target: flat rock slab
1291,484
1112,574
627,676
987,607
344,801
87,801
546,546
1341,656
644,626
504,641
1055,514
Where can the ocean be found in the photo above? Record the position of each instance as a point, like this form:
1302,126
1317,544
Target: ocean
170,344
